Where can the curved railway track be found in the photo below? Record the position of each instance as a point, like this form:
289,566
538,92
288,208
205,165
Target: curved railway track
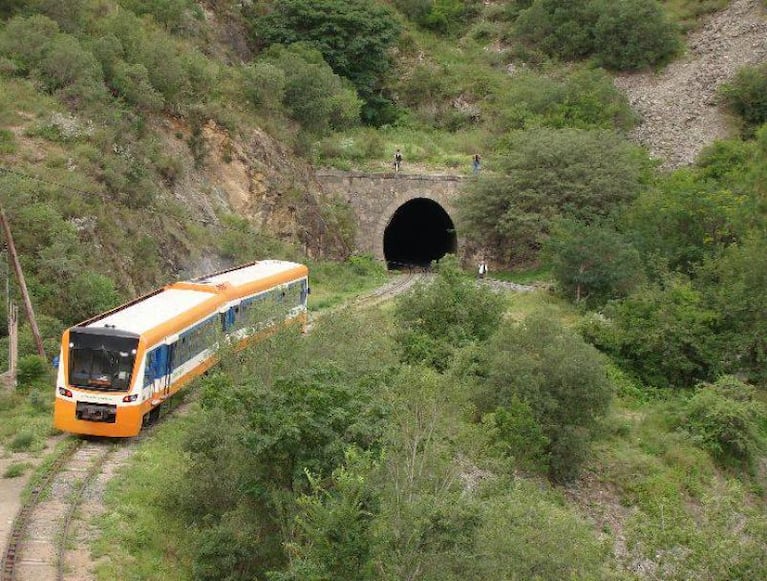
38,544
40,533
43,529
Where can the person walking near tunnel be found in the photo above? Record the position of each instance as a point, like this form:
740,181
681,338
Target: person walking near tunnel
482,271
397,161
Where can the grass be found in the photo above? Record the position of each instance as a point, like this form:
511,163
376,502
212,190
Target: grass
681,517
687,13
333,283
541,273
26,419
16,469
139,538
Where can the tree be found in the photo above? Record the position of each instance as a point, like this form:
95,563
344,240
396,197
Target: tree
314,96
684,219
736,286
549,174
665,333
561,379
354,36
449,313
593,263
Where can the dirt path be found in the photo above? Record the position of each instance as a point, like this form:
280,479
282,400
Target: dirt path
679,105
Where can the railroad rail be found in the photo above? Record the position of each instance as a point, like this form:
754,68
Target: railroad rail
37,545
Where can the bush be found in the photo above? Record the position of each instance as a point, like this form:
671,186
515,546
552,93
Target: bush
449,313
665,334
353,36
633,34
557,375
625,35
726,419
265,85
746,95
22,442
32,370
314,96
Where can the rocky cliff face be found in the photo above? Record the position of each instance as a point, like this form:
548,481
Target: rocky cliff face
678,105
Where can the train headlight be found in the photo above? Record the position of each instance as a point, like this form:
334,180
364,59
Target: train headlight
130,398
65,392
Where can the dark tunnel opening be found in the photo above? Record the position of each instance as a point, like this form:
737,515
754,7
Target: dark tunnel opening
419,232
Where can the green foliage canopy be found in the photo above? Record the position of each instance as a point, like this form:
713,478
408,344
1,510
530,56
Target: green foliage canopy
314,95
554,372
549,174
593,263
625,35
449,313
353,36
746,95
726,419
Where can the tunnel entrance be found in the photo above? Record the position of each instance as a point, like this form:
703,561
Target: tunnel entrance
419,231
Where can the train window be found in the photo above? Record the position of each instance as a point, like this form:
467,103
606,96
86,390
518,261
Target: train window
102,362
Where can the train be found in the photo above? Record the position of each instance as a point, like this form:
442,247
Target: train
117,368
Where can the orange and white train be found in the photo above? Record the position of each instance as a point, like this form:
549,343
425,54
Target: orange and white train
117,369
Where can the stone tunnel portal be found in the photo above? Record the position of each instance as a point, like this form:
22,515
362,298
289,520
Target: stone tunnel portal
419,231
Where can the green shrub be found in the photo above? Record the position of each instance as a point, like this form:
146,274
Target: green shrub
726,419
32,370
633,34
26,41
132,82
746,95
557,375
449,313
353,36
314,96
66,62
624,35
22,442
265,85
517,434
665,334
15,470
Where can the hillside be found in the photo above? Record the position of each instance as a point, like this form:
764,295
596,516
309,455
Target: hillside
610,422
679,106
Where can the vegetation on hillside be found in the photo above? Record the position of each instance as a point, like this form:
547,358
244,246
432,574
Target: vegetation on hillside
616,430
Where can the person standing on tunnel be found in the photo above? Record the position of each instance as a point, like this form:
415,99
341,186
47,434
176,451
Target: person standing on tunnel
476,163
397,161
482,271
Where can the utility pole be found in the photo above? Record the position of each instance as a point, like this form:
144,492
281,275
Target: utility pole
13,342
22,283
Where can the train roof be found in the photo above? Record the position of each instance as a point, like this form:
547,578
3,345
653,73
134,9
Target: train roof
178,305
154,310
250,272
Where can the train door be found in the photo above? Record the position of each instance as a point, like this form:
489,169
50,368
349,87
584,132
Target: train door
169,370
163,363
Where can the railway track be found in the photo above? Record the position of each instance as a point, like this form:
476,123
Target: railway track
36,549
43,533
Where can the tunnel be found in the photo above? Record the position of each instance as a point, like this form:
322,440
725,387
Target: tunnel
419,232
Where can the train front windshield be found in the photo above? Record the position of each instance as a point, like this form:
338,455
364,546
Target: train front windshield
101,361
